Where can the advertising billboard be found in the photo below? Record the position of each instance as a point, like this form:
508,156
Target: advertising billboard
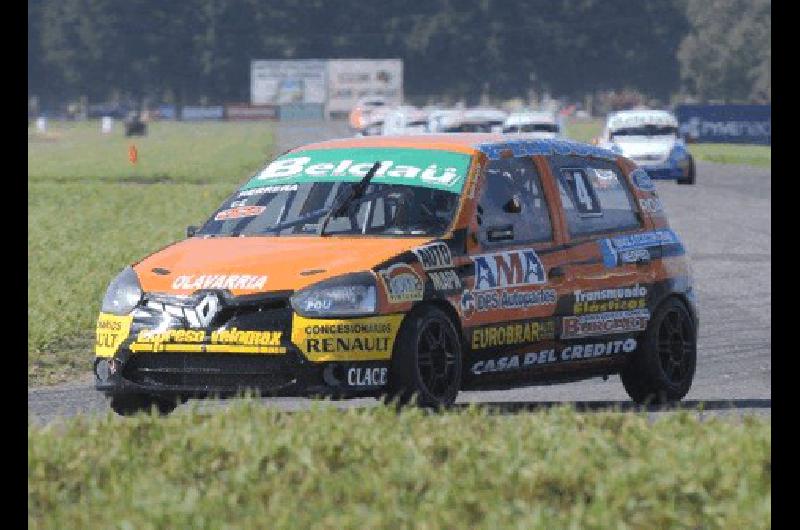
745,124
352,79
282,82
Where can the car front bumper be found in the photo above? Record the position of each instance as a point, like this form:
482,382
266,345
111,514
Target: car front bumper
224,375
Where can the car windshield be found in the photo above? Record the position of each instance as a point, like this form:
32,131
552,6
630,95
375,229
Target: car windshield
532,127
413,192
646,130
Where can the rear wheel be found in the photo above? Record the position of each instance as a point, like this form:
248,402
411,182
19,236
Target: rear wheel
130,404
427,360
662,368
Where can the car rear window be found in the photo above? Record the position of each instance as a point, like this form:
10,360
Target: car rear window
595,196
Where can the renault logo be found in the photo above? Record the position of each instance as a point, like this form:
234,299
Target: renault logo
204,312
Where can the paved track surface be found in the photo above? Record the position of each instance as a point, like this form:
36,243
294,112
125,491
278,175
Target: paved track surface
724,221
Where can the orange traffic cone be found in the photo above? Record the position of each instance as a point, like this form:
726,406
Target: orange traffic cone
133,154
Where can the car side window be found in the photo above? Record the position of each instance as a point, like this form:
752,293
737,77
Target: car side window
512,207
594,195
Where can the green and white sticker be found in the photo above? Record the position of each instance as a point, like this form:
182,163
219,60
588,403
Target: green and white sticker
428,168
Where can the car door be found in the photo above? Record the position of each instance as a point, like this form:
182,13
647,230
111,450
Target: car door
607,267
508,310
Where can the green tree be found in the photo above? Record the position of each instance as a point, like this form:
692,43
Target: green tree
727,53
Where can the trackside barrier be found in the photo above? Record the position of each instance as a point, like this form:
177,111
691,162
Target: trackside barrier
744,124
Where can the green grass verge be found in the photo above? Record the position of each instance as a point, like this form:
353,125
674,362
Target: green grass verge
749,155
172,151
253,467
584,130
81,235
90,213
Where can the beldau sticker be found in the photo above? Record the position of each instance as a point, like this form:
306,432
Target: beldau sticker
428,168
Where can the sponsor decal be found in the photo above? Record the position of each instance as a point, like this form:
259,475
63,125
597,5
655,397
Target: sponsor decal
500,299
548,356
367,376
402,283
604,179
267,189
508,269
604,323
642,180
446,280
230,340
633,247
545,147
512,334
242,282
110,332
604,300
370,338
434,256
651,205
444,170
239,212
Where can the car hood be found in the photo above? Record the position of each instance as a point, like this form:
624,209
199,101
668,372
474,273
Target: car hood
249,265
645,147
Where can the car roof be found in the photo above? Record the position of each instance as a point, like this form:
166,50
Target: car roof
491,144
628,118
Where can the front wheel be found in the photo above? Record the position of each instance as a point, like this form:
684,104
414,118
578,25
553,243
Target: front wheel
690,177
427,360
662,368
130,404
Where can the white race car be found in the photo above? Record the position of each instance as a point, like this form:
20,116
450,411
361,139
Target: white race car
538,124
650,138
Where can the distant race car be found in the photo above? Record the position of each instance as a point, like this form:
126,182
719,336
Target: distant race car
477,120
405,120
365,112
405,266
650,138
538,124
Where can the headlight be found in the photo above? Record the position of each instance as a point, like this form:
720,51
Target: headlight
123,293
348,295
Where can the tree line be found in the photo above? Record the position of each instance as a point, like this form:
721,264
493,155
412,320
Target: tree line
195,51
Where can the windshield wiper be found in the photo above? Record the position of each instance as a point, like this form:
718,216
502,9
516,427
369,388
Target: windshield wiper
341,202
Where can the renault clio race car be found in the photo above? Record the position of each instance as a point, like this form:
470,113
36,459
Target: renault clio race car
537,124
650,138
410,266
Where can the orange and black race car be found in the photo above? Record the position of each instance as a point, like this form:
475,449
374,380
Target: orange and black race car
410,265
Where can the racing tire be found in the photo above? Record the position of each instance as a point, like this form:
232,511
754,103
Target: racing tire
661,370
690,178
130,404
426,361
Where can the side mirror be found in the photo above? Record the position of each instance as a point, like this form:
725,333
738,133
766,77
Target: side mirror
191,230
514,205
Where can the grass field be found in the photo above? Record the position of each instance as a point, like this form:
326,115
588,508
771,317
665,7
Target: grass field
752,155
253,467
91,212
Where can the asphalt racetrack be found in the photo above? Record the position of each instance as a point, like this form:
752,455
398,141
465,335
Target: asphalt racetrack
724,221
